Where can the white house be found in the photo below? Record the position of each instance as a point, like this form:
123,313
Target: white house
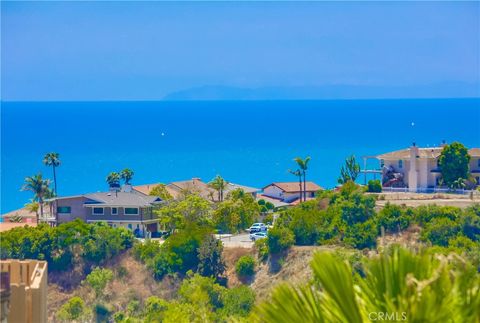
289,191
417,168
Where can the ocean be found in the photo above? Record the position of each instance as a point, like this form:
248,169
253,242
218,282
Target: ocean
247,142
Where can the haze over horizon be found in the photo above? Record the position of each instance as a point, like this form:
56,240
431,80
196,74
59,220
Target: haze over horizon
88,51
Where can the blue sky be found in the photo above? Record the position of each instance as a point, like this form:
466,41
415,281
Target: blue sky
146,50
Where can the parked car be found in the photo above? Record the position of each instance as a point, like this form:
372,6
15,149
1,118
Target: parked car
257,227
258,235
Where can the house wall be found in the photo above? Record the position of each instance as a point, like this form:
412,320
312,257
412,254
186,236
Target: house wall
474,163
273,191
289,197
144,214
77,209
432,177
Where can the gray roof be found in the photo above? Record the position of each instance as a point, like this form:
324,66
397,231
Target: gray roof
121,199
124,199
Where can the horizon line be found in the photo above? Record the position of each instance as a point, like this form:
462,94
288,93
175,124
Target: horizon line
237,100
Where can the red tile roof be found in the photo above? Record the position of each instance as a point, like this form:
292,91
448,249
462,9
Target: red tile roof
293,187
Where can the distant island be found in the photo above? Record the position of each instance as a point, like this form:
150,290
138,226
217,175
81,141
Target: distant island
329,92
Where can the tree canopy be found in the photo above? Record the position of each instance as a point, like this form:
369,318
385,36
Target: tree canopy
454,163
349,171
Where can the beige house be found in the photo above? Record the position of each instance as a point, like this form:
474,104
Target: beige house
196,186
23,291
417,168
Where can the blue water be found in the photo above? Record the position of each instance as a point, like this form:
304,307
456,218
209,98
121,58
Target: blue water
250,143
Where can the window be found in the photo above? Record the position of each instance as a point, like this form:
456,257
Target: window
64,209
114,211
131,210
400,163
97,211
438,162
382,163
478,162
130,226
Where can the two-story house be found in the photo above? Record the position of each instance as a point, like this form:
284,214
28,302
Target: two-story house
417,168
130,209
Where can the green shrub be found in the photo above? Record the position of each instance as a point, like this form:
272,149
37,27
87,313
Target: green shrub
304,221
279,239
146,250
425,213
74,309
394,218
98,280
374,186
210,257
202,291
268,218
237,212
133,307
440,230
361,235
66,245
179,253
245,266
154,308
261,246
238,301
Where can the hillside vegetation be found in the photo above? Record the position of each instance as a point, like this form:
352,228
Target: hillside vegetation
98,273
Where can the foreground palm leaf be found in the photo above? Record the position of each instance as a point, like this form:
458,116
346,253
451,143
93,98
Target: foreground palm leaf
398,284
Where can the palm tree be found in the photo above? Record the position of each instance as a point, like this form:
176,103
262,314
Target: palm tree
126,175
303,165
113,180
53,159
39,187
458,184
32,207
298,173
219,184
423,287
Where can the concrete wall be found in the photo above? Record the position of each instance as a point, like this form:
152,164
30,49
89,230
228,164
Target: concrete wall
28,290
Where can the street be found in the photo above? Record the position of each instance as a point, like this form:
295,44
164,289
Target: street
239,240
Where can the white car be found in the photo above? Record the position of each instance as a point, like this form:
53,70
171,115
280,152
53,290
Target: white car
257,227
258,235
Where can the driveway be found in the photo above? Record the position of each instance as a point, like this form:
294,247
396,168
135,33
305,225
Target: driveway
238,240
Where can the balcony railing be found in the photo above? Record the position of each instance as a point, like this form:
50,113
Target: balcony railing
429,190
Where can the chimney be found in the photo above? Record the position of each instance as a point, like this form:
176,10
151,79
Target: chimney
414,151
413,172
127,188
196,179
114,188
